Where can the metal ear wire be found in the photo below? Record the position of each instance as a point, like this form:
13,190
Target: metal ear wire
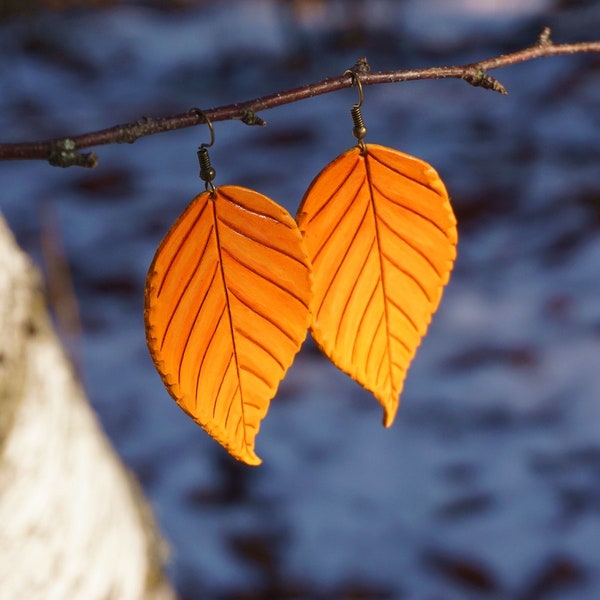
207,173
357,82
359,130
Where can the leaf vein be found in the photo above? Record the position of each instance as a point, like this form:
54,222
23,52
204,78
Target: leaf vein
260,243
336,224
378,160
218,394
263,316
184,241
349,244
411,210
357,280
260,345
191,329
253,211
235,393
360,324
185,287
256,374
265,277
325,202
404,314
410,245
206,349
410,275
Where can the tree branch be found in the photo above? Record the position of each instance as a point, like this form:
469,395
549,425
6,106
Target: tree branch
64,152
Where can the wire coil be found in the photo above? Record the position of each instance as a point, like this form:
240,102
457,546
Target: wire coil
359,130
207,172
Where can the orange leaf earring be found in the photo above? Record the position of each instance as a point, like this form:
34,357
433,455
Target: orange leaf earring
381,236
227,308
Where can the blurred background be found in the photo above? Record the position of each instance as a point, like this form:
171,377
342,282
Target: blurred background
488,484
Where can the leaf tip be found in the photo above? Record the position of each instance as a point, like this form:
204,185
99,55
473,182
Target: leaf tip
251,459
389,415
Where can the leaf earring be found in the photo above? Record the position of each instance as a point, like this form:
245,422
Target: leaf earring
227,308
381,236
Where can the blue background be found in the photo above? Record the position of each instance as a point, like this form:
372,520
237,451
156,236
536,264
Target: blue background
488,484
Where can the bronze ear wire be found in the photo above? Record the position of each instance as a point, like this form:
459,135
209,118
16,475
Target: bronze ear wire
359,130
207,172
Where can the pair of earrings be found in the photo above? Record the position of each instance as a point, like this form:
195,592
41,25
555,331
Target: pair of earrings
236,282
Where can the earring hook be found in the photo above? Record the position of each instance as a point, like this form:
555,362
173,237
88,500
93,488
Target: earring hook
359,131
356,81
207,173
212,133
200,113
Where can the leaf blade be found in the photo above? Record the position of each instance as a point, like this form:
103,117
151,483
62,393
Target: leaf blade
226,310
381,235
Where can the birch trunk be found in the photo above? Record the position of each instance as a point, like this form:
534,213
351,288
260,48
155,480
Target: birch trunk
73,522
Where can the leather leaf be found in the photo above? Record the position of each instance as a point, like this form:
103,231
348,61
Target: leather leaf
381,236
226,310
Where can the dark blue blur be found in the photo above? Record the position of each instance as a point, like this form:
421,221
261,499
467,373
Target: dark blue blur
488,484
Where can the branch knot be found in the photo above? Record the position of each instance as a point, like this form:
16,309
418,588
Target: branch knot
479,78
544,38
63,153
251,118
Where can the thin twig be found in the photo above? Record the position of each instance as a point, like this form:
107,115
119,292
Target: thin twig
65,152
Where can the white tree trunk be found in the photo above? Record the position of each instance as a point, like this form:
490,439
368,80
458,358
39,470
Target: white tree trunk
73,523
